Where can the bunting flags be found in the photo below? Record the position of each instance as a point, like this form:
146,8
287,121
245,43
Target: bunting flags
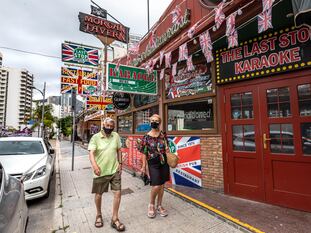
190,66
267,4
219,15
191,31
134,49
265,17
152,40
161,57
128,59
174,69
162,74
154,61
117,67
183,52
233,40
168,59
176,14
231,32
206,46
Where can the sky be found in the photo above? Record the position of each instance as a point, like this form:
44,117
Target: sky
41,26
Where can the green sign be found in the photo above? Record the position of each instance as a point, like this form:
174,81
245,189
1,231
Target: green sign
80,55
131,80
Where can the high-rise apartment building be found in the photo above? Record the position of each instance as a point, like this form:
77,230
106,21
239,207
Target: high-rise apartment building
15,97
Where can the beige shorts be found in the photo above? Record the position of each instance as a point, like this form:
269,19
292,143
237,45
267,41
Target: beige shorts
101,184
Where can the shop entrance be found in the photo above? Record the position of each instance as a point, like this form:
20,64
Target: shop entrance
267,142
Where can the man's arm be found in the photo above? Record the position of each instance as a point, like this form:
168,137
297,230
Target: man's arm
96,168
119,157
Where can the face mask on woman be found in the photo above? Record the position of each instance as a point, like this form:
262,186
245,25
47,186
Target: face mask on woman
154,125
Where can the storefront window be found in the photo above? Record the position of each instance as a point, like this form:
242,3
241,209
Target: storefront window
125,124
142,119
306,138
189,83
194,115
141,100
304,98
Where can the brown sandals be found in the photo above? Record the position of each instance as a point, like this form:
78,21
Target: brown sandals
99,221
116,224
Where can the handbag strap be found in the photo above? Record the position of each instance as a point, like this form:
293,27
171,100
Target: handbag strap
165,140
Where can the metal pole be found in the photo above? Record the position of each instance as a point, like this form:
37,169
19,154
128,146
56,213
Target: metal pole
42,117
73,126
148,15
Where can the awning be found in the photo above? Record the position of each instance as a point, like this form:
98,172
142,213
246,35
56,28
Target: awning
302,12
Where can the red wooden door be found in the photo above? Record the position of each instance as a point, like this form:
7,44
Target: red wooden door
242,128
286,127
268,142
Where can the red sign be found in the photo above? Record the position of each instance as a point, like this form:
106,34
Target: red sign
98,102
102,27
84,81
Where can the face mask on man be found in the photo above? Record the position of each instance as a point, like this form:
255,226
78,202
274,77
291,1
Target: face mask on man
154,125
107,130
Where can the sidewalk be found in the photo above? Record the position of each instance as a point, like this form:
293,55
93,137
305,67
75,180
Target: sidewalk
78,209
255,216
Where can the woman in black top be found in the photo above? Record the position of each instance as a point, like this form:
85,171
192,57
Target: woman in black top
154,150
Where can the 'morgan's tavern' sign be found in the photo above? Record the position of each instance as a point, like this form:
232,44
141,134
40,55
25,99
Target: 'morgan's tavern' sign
279,51
98,26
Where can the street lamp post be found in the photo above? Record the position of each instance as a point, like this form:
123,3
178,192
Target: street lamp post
42,114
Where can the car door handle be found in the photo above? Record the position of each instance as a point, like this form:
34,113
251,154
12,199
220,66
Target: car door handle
265,139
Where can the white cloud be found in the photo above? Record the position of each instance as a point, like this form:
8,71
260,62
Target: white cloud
42,25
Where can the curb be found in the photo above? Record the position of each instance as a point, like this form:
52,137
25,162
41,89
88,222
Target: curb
236,223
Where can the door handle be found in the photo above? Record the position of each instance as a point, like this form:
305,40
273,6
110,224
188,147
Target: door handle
265,139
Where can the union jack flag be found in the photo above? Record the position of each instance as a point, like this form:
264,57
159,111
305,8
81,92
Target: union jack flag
168,59
188,171
153,40
72,54
161,57
230,23
206,46
265,20
233,40
219,15
134,49
267,4
117,67
183,52
191,31
190,66
205,41
176,14
174,69
162,74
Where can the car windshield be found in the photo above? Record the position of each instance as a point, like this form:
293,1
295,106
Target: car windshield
20,147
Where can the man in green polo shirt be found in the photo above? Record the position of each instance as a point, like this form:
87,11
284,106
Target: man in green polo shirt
107,166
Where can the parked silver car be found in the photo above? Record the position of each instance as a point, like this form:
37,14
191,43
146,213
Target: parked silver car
13,207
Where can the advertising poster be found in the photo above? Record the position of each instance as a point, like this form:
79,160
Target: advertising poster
131,157
84,81
188,171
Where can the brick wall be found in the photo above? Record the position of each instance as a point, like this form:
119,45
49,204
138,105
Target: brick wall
212,167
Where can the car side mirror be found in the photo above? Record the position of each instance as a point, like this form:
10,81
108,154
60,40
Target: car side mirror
51,151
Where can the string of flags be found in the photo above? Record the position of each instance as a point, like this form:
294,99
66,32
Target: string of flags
264,23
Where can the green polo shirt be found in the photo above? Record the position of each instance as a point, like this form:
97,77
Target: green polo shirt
106,149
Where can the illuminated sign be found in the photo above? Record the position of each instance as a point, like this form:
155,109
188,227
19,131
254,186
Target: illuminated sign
276,52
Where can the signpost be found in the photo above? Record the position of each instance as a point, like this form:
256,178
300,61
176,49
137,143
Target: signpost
131,80
80,54
84,81
98,102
